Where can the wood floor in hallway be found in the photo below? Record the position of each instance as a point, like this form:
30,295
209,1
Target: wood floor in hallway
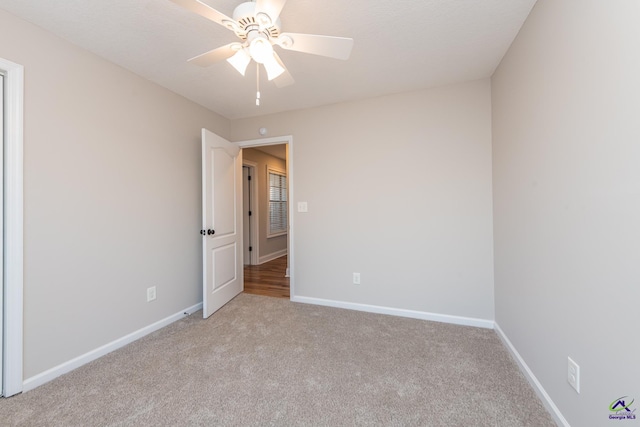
267,279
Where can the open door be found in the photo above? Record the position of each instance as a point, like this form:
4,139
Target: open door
221,222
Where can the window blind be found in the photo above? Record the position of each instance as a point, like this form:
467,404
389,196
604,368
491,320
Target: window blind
277,203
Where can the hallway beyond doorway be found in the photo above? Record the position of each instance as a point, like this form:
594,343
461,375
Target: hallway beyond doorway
267,279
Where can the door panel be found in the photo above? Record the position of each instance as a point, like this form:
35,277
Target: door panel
224,192
224,261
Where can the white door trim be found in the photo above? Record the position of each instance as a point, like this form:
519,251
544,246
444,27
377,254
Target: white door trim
287,139
13,218
255,211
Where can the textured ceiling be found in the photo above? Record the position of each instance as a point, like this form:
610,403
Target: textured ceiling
400,45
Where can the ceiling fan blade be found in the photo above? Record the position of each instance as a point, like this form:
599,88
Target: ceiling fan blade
215,55
270,7
333,47
284,79
206,11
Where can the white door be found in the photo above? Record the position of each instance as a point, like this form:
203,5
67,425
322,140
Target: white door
221,222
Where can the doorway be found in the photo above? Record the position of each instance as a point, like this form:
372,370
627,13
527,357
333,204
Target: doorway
267,194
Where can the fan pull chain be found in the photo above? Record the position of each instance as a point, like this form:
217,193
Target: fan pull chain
257,84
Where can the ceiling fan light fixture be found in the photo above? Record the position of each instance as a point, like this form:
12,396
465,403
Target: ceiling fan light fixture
257,24
260,49
240,61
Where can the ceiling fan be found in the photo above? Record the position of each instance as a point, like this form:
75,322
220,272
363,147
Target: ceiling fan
257,24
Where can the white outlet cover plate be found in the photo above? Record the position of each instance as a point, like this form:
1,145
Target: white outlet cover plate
573,374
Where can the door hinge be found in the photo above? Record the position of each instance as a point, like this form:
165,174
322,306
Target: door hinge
250,248
249,178
249,213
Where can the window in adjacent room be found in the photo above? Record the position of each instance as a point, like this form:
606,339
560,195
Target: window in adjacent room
277,203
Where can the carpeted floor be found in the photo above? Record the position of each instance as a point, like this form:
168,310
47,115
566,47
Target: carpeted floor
268,361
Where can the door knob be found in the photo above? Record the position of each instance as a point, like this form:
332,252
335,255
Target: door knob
211,232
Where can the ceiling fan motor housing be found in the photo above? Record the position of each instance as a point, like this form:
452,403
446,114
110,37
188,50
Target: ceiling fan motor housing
248,22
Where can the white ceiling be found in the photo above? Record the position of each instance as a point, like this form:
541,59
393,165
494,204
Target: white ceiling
400,45
279,150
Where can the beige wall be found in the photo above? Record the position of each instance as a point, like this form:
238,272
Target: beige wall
111,197
267,247
566,157
399,190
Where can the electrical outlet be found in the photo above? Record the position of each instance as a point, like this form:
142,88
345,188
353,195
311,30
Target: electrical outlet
573,374
356,278
151,293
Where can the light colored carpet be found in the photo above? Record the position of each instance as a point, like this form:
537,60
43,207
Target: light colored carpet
268,361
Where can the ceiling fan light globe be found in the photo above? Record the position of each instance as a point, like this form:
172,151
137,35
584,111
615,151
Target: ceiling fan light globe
274,69
240,61
260,50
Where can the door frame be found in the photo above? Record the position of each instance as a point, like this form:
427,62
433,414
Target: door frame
12,275
253,219
277,140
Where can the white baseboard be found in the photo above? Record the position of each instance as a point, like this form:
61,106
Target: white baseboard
272,256
46,376
540,391
423,315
